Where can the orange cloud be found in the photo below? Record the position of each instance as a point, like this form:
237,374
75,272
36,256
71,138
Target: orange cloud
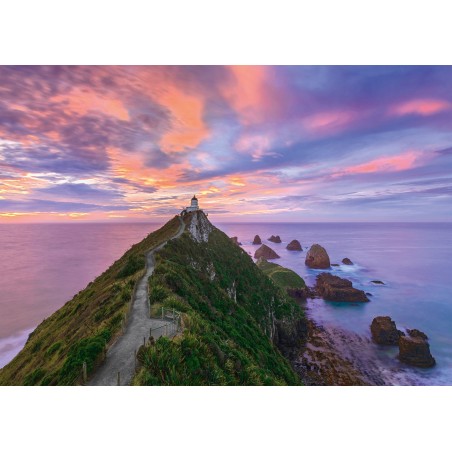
423,107
247,92
81,102
188,125
400,162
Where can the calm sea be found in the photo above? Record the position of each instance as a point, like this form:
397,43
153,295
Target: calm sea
44,265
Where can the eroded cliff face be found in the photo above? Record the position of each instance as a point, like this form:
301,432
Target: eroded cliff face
198,226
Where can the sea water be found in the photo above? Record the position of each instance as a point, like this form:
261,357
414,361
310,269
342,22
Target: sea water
44,265
412,259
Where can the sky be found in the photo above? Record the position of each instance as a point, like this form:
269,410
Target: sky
254,143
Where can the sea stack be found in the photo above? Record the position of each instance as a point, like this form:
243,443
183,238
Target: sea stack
265,252
257,240
384,331
347,261
294,245
415,351
275,239
317,257
333,288
235,240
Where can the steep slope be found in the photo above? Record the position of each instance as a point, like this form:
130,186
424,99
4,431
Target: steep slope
233,315
82,329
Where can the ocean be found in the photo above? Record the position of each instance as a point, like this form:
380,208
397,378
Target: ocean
44,265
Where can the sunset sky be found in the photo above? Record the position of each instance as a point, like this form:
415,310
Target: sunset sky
255,143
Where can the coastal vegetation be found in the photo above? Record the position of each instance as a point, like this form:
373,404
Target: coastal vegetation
80,331
231,312
281,276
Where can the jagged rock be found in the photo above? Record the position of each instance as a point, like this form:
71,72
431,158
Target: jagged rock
317,257
334,265
275,239
289,335
333,288
257,240
384,331
294,245
376,281
266,252
235,241
415,351
199,226
416,333
347,261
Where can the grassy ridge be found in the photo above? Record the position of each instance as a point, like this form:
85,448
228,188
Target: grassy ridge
79,331
229,310
283,277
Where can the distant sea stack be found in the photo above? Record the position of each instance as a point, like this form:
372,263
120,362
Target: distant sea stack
333,288
257,240
266,252
294,245
317,257
275,239
347,261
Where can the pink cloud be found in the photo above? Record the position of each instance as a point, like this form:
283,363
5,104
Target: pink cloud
400,162
328,121
423,107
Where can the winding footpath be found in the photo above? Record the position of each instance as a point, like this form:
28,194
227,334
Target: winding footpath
121,355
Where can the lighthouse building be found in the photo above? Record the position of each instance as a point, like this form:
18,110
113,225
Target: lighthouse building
193,206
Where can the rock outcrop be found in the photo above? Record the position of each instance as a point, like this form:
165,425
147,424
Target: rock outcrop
376,281
415,351
416,333
384,331
266,252
347,261
199,226
294,245
317,257
333,288
257,240
275,239
235,240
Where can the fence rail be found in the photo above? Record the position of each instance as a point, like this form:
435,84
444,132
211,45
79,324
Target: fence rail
169,329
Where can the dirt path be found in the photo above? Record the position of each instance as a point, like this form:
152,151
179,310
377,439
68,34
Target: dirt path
121,356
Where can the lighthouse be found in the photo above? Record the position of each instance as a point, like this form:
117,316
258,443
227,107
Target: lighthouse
193,205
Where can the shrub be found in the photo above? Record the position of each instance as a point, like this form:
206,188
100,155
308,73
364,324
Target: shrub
133,264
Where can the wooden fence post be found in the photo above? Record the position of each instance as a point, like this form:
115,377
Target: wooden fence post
162,312
85,372
118,382
135,360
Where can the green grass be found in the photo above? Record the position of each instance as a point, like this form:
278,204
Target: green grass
78,331
223,342
283,277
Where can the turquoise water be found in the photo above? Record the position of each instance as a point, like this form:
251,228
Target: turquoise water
413,260
43,266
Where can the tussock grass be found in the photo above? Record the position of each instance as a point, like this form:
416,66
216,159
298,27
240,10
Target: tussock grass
283,277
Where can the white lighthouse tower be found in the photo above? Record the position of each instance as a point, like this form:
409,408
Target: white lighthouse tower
194,205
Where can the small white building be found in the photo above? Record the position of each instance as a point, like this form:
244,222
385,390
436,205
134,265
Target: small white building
193,207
